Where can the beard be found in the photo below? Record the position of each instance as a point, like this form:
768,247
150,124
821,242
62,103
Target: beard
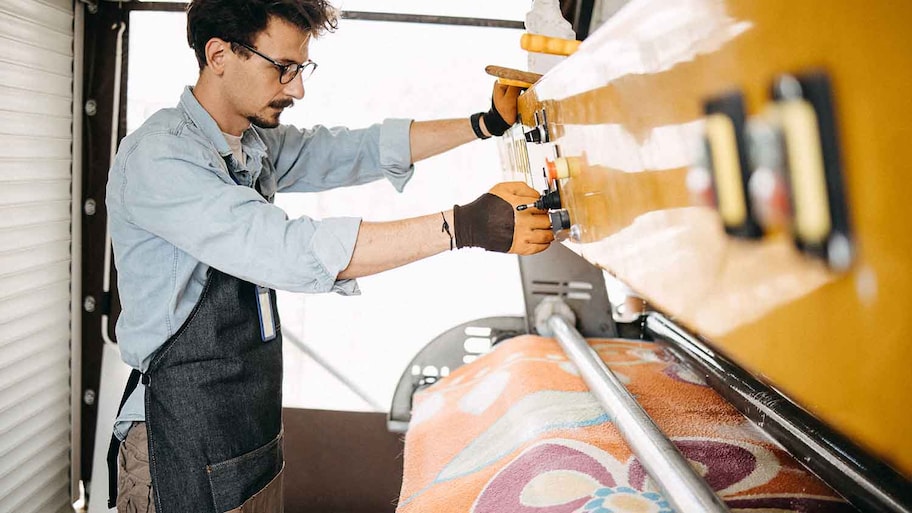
264,120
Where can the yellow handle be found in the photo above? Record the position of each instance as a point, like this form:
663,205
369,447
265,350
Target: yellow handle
726,165
808,174
516,83
544,44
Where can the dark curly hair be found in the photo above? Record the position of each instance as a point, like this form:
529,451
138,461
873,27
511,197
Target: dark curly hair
239,21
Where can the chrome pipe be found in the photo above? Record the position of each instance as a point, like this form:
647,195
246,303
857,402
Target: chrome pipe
667,467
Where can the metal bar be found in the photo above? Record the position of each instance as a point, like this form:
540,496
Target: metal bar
583,18
681,485
115,124
332,370
865,481
436,20
155,6
357,15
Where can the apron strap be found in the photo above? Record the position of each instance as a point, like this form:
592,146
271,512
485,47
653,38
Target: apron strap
114,447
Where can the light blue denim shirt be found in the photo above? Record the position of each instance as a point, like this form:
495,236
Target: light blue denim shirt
179,202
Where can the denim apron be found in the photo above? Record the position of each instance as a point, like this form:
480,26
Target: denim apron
214,407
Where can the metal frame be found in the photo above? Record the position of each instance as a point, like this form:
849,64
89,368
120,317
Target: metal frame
582,18
862,479
445,353
76,257
435,20
101,126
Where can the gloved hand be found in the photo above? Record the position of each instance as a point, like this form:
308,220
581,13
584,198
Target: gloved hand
503,109
492,222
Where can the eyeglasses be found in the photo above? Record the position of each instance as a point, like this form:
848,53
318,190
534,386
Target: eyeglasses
287,72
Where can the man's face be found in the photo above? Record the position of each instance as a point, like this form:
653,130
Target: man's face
256,90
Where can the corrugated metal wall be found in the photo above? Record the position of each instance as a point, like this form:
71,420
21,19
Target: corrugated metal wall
36,94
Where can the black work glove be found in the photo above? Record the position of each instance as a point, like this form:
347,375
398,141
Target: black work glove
491,221
502,114
494,122
485,223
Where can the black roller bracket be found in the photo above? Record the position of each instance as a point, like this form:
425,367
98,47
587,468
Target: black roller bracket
819,196
550,200
560,220
543,126
727,159
535,134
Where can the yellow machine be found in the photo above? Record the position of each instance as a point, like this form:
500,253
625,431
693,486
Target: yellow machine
741,165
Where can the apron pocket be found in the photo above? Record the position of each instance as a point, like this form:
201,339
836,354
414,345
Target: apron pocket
268,500
236,480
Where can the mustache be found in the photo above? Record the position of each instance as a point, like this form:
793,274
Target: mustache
281,104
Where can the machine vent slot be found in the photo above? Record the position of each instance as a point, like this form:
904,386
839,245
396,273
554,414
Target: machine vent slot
580,290
560,272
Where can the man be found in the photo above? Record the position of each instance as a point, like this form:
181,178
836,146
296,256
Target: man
199,248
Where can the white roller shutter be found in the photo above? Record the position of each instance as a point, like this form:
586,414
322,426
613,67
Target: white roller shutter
36,114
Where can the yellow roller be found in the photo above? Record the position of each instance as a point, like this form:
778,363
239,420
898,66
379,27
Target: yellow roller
544,44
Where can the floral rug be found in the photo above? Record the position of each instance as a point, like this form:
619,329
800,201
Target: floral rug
517,431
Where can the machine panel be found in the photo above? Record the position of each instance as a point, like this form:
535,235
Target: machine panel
815,300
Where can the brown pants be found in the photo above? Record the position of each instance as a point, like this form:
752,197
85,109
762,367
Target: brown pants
134,482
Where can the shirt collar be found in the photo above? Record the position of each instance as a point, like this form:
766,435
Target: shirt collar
252,142
250,138
203,120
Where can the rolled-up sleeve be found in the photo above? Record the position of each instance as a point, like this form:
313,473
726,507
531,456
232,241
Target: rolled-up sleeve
175,194
396,152
322,158
332,245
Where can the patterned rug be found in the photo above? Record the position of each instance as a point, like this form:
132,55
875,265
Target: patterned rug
517,431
